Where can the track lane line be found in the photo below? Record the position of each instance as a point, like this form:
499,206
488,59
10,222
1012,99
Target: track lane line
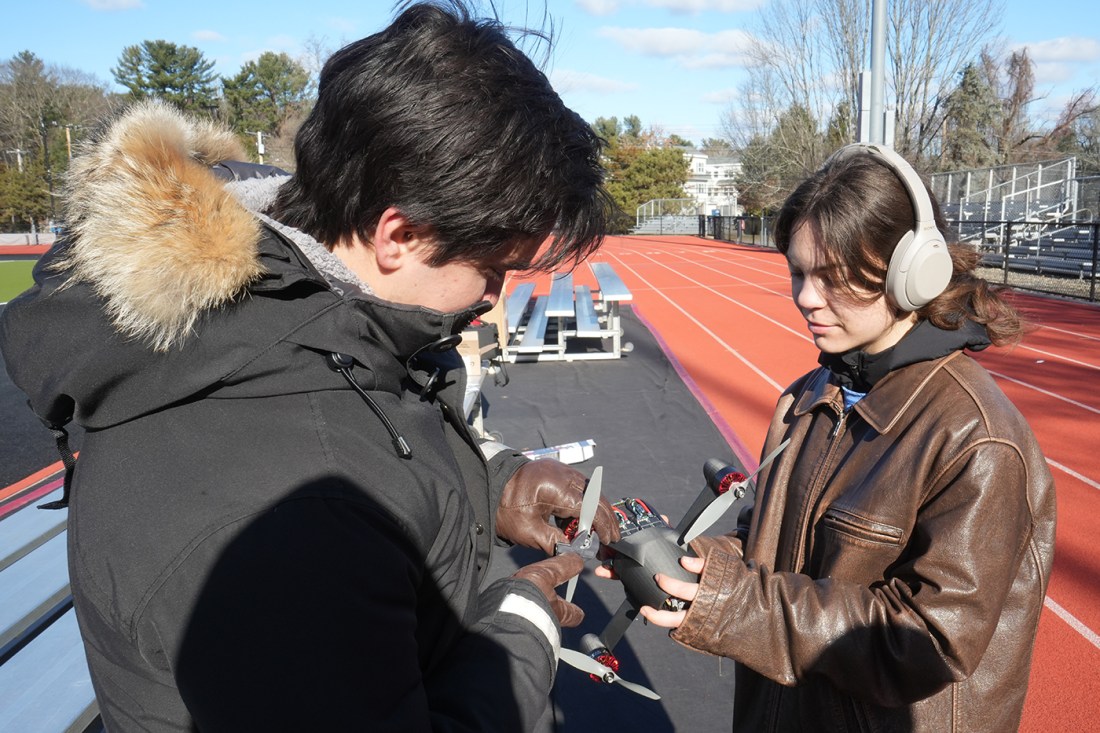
723,296
1091,636
736,354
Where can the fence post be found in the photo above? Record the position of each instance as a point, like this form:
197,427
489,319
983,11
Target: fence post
1095,247
1005,243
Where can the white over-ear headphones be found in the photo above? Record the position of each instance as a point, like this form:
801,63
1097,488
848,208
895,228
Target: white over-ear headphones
920,268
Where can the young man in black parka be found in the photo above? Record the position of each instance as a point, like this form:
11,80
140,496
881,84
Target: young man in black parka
279,518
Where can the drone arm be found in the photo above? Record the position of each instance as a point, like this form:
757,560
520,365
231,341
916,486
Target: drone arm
617,626
538,491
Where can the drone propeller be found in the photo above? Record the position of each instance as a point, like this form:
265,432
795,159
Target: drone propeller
585,542
603,673
718,507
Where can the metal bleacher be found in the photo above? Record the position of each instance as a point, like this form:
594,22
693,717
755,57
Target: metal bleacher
1023,218
570,322
44,680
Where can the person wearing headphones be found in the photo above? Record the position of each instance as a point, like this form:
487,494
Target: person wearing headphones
898,554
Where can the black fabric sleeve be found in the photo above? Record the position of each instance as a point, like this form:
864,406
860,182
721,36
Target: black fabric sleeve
502,466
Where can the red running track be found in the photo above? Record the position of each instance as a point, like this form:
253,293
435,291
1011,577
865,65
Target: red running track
724,312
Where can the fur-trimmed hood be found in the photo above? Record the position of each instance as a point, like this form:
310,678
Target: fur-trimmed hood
168,288
154,231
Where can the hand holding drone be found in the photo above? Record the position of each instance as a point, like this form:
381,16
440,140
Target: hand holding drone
648,545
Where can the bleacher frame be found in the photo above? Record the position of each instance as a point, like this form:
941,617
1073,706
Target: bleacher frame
45,684
564,324
1037,255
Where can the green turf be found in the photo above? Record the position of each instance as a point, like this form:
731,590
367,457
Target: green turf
15,277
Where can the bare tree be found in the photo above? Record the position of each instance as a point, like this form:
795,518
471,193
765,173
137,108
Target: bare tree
791,47
928,44
808,54
848,39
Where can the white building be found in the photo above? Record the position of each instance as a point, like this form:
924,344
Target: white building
711,182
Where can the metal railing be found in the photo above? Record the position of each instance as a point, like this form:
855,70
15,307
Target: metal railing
1045,190
662,215
742,229
1056,257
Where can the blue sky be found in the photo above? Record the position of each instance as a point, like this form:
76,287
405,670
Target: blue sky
674,63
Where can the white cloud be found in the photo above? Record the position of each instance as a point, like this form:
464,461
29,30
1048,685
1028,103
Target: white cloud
207,35
692,49
1064,49
699,6
599,7
568,80
607,7
723,97
114,4
1053,73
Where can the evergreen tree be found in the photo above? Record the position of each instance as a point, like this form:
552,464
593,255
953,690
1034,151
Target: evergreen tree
43,108
640,167
608,128
24,197
265,92
972,121
268,95
164,70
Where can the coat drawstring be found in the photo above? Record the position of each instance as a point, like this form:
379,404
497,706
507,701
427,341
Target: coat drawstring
342,363
68,460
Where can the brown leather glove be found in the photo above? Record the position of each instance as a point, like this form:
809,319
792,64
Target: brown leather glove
543,489
548,574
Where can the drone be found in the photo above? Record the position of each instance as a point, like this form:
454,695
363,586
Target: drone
648,545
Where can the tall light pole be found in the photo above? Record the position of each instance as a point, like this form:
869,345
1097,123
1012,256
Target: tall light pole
46,160
877,125
259,143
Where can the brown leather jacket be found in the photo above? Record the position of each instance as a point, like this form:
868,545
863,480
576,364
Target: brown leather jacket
896,563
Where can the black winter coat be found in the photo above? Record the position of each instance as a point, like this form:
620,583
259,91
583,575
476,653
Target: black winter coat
249,550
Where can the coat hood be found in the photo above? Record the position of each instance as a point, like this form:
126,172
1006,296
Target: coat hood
141,198
167,287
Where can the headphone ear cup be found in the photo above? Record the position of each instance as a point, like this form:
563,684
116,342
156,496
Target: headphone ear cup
920,270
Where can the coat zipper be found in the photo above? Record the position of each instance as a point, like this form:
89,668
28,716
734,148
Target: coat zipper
817,488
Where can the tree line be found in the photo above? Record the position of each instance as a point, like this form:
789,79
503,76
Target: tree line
953,110
47,110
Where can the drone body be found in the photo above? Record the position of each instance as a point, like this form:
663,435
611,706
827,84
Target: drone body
648,545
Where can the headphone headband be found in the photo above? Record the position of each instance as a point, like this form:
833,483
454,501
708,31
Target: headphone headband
920,267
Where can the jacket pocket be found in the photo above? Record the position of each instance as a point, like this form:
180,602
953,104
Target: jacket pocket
861,528
852,547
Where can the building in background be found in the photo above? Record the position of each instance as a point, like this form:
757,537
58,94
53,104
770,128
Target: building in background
713,183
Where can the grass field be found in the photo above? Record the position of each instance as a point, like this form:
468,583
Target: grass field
15,277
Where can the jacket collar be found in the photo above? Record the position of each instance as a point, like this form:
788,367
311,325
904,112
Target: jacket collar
887,401
860,371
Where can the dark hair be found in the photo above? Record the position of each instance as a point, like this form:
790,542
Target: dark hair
442,117
858,210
